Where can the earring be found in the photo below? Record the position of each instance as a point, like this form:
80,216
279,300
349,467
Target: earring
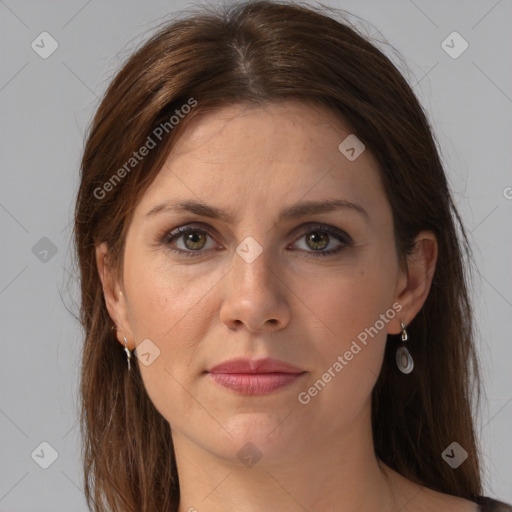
403,356
128,353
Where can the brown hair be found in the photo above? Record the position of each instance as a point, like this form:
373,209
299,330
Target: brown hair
257,53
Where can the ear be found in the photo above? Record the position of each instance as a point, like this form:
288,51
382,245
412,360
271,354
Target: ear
414,283
114,296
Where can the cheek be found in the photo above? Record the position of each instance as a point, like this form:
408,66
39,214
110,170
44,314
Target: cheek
171,306
344,301
164,298
167,308
353,328
351,312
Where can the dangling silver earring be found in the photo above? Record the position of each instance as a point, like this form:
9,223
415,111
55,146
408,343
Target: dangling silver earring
128,353
403,356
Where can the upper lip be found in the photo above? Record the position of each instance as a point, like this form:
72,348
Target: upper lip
244,365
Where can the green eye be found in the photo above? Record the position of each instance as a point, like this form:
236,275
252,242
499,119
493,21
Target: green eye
317,237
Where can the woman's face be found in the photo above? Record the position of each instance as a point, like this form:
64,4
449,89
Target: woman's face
305,288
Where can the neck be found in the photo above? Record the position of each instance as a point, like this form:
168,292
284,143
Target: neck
336,471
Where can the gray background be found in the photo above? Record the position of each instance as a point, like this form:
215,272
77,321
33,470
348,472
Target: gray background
46,105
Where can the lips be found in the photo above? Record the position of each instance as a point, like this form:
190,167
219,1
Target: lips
255,376
244,365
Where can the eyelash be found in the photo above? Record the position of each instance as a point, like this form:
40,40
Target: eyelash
169,236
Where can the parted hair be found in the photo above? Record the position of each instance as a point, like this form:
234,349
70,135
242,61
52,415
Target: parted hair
256,53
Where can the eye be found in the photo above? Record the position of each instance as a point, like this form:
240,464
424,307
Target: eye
192,237
191,240
320,236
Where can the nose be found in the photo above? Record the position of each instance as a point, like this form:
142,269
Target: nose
255,295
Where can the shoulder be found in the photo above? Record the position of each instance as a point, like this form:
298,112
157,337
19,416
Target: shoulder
487,504
449,503
434,501
419,498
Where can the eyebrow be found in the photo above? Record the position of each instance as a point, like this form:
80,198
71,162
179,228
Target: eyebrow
295,211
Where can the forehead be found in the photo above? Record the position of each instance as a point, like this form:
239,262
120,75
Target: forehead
279,127
266,153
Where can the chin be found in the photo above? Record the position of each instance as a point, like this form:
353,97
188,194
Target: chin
259,437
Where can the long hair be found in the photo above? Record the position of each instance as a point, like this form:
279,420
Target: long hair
256,53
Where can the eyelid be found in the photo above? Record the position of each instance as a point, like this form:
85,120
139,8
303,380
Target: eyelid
342,236
168,234
322,226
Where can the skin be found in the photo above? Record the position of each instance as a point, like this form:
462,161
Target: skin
213,306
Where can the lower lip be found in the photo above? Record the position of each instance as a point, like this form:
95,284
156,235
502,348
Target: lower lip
255,383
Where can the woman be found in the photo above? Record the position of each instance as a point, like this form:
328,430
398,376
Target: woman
274,294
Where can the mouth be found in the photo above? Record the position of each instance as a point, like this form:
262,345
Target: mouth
255,377
255,383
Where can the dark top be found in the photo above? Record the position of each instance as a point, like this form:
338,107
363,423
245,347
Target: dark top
491,505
